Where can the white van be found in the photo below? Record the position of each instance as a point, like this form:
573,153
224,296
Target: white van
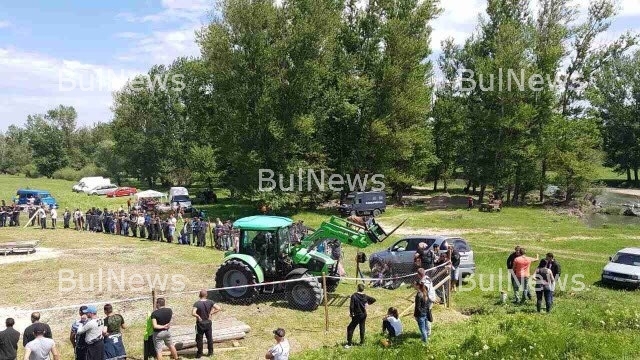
85,180
180,196
87,186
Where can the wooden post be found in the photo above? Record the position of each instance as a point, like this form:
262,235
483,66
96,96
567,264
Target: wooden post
326,306
449,290
153,298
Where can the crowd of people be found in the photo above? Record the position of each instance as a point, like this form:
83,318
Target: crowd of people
94,337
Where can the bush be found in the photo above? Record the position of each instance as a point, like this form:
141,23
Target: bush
72,174
30,171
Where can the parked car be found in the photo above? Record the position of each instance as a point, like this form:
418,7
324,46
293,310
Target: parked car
399,256
87,183
122,191
102,189
26,197
623,268
179,196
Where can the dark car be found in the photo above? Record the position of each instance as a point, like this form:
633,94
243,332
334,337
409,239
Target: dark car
399,256
364,203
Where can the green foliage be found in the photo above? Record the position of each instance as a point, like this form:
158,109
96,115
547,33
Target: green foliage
71,174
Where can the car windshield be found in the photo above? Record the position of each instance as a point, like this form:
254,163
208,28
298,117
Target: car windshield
460,245
181,198
626,259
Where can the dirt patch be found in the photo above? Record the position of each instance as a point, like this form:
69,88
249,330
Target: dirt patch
632,192
450,316
40,254
407,231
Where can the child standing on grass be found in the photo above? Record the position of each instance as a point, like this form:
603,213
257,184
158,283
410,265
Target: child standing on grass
358,313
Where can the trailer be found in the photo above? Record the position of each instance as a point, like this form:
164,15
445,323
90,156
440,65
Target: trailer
19,247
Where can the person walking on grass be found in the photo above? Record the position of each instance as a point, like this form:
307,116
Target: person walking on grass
545,285
77,341
40,347
160,320
203,310
422,311
521,273
279,351
28,335
358,313
9,338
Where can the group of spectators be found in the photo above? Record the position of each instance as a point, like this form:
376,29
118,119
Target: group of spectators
391,324
545,277
100,338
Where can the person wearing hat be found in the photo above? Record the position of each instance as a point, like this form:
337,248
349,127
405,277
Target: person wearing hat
279,351
92,331
40,347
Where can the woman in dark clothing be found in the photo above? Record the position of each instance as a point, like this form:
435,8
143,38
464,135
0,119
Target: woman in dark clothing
421,311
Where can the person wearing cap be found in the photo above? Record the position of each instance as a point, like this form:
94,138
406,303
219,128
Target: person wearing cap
9,338
40,347
77,341
279,351
93,330
27,336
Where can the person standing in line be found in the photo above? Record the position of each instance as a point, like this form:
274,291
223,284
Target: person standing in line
422,311
54,217
160,320
171,223
40,347
42,214
202,310
66,217
195,229
358,313
93,330
202,236
77,341
9,338
544,285
113,344
279,351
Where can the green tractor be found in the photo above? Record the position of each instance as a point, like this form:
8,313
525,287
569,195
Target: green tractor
268,254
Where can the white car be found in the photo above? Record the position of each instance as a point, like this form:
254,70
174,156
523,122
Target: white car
623,269
102,189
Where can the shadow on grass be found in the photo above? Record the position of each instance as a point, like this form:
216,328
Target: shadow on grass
616,286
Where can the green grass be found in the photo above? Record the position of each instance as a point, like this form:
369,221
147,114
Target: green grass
592,324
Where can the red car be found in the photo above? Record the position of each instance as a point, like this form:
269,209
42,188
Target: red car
122,191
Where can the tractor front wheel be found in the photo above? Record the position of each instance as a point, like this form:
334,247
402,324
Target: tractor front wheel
376,212
305,294
236,273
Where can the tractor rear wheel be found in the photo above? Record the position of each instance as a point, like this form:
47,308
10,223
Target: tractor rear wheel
305,294
236,273
376,212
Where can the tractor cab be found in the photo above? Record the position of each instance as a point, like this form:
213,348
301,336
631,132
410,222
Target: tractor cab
267,240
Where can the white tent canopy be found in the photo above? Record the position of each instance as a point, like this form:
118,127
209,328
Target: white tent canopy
150,194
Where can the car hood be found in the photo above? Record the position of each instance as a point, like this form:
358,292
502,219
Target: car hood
622,269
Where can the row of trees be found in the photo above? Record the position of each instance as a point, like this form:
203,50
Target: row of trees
346,87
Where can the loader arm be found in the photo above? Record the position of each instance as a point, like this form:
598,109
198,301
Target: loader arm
347,233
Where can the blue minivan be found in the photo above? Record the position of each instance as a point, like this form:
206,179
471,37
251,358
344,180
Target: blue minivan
40,197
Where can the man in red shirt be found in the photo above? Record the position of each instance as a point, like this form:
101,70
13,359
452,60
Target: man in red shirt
521,273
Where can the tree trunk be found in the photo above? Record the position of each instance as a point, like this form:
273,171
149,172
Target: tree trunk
635,176
628,174
445,184
150,182
508,194
542,180
435,184
481,196
522,197
474,188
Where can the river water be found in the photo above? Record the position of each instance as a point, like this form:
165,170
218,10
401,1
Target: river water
609,199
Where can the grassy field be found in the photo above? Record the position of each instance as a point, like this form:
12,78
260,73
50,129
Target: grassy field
593,323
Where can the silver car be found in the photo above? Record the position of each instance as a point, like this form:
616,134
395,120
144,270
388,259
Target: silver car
400,255
102,189
623,269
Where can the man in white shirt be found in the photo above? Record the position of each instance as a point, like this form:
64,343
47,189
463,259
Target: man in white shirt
54,217
279,351
93,330
172,227
42,214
